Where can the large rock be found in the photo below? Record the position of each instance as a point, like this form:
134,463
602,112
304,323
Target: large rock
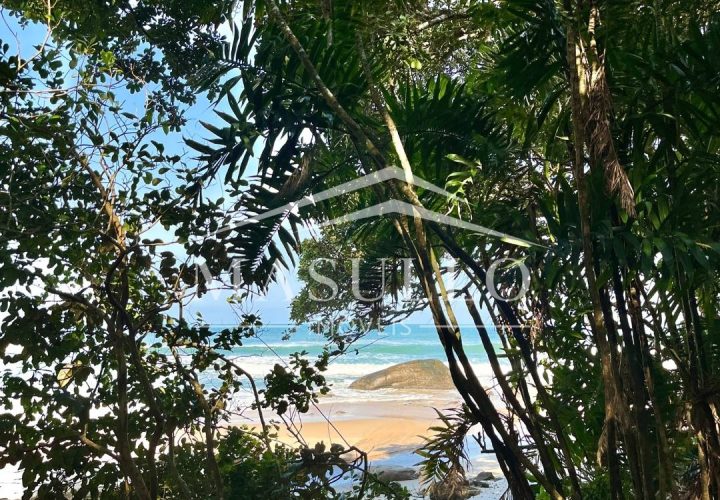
420,374
390,473
483,476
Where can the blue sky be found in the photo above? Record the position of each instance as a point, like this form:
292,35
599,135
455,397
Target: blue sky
274,307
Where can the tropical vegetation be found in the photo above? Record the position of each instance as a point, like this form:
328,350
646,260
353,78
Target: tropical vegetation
586,129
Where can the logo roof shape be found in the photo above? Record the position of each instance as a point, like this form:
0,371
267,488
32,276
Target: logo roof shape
381,209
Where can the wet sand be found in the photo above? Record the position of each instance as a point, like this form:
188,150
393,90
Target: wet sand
388,431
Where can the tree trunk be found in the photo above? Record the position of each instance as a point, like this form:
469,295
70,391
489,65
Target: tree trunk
597,322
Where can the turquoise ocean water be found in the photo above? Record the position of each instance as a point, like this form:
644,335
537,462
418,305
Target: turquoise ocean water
374,351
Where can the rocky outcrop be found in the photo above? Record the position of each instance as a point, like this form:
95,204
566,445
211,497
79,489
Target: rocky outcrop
391,473
483,476
419,374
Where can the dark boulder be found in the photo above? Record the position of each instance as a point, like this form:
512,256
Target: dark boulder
420,374
394,473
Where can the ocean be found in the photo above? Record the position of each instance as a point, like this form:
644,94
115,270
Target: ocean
375,351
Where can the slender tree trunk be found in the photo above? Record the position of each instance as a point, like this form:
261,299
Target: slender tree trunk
215,477
127,464
118,322
578,95
477,273
666,483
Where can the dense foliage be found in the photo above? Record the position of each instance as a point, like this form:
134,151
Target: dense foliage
104,385
586,127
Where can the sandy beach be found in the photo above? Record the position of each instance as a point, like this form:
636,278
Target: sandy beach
389,431
381,429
